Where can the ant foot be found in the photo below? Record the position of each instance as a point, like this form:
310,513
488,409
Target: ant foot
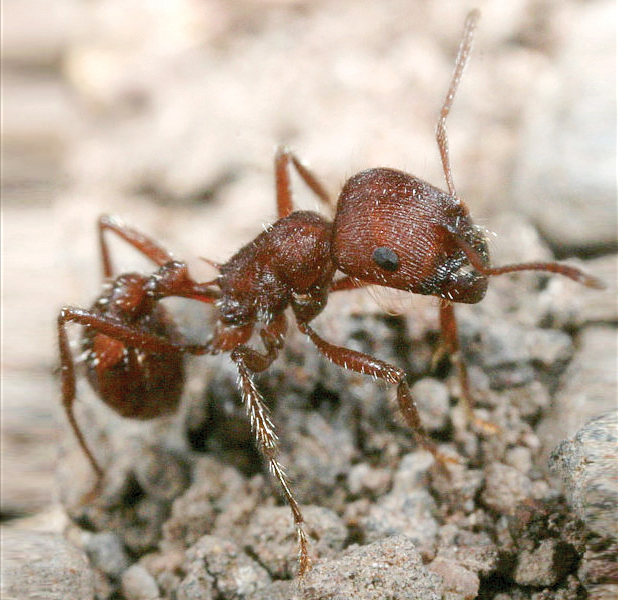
304,562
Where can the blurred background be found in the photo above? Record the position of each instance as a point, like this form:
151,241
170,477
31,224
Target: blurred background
167,114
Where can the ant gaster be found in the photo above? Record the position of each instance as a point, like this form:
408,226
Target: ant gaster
390,229
133,353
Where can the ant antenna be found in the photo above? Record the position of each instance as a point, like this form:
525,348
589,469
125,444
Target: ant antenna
465,48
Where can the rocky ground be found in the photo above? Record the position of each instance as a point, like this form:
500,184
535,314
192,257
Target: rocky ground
168,116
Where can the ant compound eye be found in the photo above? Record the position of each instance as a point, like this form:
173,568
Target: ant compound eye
386,258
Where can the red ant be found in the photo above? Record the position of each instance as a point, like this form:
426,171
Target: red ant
390,229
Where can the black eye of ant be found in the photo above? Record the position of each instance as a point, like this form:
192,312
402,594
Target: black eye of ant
386,258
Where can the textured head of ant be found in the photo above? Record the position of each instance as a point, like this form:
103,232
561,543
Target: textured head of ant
395,230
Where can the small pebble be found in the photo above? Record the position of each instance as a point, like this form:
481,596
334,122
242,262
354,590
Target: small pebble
390,568
138,584
106,552
505,488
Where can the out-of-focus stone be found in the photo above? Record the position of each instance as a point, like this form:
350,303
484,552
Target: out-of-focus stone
41,565
588,467
138,584
107,552
589,389
458,582
505,488
565,180
542,567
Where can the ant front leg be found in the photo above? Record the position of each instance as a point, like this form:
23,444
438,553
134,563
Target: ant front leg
283,158
249,361
450,338
368,365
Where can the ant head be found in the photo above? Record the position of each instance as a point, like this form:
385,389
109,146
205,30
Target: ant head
394,230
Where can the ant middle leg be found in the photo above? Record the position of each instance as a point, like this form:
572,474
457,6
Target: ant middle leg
283,158
368,365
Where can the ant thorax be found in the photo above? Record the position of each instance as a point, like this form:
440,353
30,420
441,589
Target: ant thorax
284,265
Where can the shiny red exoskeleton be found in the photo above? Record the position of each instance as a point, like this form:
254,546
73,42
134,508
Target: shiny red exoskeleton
390,229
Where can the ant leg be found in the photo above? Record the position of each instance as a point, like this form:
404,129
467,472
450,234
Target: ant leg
450,337
460,64
126,334
67,373
249,361
227,338
283,157
147,246
367,365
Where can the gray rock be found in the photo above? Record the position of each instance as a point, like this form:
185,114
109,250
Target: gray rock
138,584
588,467
219,566
107,552
589,387
538,567
194,513
459,583
272,537
40,565
433,400
505,488
408,509
474,551
389,568
364,479
565,179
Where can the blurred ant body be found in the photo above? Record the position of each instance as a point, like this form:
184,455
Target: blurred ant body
390,229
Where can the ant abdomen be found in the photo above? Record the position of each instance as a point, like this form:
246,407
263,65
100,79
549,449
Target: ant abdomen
134,382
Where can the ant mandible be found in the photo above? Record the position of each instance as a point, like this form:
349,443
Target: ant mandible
390,229
133,352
